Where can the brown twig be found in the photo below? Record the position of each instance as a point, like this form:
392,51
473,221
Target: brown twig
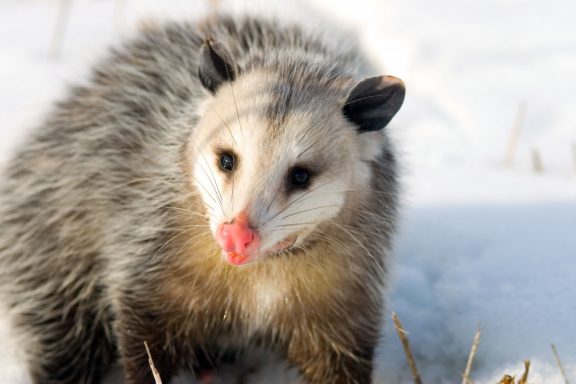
559,362
402,334
537,161
507,379
515,135
60,28
524,378
468,370
574,155
120,15
155,372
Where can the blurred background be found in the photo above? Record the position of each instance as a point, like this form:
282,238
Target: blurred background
488,140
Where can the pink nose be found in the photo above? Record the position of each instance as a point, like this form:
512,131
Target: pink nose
237,236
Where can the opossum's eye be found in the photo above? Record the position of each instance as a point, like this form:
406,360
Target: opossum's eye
227,162
299,178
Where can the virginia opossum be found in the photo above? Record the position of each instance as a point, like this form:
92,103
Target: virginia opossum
214,187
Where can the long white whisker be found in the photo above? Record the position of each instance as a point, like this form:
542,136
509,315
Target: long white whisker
298,199
205,190
212,179
225,124
235,103
189,211
170,240
308,210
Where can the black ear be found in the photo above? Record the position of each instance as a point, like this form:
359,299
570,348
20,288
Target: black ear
373,102
215,65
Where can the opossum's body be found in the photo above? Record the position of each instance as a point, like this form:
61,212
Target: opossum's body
108,215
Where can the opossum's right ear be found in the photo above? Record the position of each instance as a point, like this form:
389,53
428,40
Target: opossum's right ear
373,102
215,65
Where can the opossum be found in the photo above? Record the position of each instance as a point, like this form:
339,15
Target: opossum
213,187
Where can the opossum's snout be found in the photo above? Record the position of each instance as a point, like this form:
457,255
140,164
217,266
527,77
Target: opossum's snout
239,241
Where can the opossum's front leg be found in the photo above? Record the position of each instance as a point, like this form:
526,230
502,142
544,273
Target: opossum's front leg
330,367
132,331
323,359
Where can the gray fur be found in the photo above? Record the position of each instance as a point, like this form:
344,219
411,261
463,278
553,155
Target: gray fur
87,216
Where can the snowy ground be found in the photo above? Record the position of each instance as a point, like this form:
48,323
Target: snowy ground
482,244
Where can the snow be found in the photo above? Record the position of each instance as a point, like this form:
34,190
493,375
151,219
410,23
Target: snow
482,243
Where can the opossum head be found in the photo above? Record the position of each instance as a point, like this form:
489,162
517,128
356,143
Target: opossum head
278,152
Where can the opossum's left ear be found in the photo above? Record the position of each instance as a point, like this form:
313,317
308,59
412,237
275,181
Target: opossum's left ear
215,65
373,102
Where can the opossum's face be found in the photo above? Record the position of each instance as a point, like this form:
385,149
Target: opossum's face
272,162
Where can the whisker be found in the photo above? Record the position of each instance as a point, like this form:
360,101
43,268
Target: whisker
204,188
189,226
308,210
379,192
225,124
189,211
212,179
298,199
171,240
360,243
309,147
294,224
193,240
274,198
235,102
232,195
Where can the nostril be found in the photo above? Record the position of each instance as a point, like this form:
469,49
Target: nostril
244,236
249,239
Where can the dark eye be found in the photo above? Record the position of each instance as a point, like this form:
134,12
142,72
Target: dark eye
300,178
226,162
